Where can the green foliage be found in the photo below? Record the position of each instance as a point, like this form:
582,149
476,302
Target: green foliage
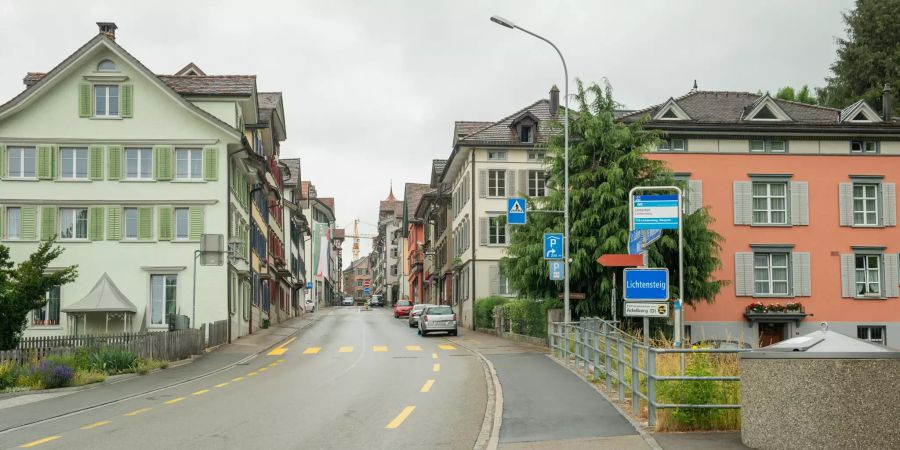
804,95
9,374
606,160
112,360
529,317
484,311
23,288
83,377
693,393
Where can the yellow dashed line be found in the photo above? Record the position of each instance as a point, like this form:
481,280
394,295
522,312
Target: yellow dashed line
379,348
273,364
251,374
345,350
436,368
174,400
446,347
280,361
277,351
263,369
400,417
201,392
220,385
39,442
237,379
138,411
434,356
427,386
413,348
95,425
312,350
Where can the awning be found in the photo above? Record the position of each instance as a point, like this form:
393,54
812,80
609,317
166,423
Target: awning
104,297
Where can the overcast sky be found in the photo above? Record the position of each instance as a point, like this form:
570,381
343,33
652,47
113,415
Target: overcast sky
371,88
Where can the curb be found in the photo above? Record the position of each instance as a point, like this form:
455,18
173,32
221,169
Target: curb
489,437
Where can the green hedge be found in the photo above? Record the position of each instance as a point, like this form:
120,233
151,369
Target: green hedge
484,311
529,317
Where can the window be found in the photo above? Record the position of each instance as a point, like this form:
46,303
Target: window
181,224
21,162
138,163
525,134
769,203
47,315
865,204
535,155
673,144
394,252
872,333
359,282
537,183
73,223
106,100
162,298
394,270
496,155
188,163
768,145
496,231
73,163
13,223
863,147
770,273
106,66
504,288
131,223
868,275
496,183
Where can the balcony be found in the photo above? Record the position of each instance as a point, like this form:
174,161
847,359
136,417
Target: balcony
775,312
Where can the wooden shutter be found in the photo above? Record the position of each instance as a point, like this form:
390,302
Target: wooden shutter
95,223
145,223
162,166
28,225
49,222
46,162
801,274
891,275
694,196
114,162
511,183
2,161
848,277
846,204
743,274
84,100
494,279
482,183
483,230
126,101
195,222
523,183
95,162
114,223
211,163
165,223
889,201
743,203
799,203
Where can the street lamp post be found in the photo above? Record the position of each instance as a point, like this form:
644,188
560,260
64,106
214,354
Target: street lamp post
508,24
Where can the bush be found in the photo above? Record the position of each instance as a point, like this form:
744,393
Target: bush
83,377
484,311
529,317
112,360
9,374
50,375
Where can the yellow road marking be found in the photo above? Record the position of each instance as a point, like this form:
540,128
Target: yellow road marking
434,356
273,364
95,425
138,411
400,417
237,379
263,369
222,385
436,368
201,392
277,351
427,386
414,348
345,350
289,341
446,347
174,400
251,374
280,361
379,348
312,350
39,442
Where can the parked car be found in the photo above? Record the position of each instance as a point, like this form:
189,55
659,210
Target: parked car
348,301
310,305
402,308
414,314
376,301
438,318
723,344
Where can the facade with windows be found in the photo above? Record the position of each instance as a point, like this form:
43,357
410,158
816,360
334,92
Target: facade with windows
805,198
387,245
322,247
357,278
414,233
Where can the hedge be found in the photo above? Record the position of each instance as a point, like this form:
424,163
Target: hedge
484,311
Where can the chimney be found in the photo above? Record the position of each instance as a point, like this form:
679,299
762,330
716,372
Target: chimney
887,103
554,100
108,28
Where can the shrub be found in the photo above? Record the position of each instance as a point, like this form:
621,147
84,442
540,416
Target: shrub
83,377
484,311
112,360
529,317
9,374
50,375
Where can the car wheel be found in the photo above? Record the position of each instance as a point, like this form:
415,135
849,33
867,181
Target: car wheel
419,331
454,333
423,333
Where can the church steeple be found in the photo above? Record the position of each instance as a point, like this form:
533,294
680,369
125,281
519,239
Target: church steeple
391,197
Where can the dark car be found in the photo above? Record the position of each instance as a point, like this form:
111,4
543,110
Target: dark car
376,301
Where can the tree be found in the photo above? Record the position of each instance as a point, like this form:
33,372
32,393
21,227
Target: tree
606,160
804,95
23,289
868,58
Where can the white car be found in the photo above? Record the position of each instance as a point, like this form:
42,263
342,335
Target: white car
437,318
309,306
348,301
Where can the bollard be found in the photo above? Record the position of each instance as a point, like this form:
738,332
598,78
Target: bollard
651,387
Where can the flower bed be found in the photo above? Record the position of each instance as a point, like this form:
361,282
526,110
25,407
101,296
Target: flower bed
761,308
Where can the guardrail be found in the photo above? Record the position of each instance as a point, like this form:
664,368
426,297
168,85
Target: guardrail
600,350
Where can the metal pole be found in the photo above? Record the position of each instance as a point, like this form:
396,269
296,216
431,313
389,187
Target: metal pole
194,295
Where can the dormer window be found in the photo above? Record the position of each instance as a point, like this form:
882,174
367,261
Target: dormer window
525,134
766,109
106,66
765,113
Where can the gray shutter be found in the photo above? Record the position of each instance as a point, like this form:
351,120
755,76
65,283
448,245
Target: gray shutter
483,230
494,275
511,183
889,200
743,203
846,204
801,274
523,182
694,196
891,275
743,274
482,183
799,203
847,276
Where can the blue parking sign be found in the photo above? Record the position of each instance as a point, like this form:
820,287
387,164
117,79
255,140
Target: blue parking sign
553,246
557,270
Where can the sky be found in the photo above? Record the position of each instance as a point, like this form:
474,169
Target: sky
372,88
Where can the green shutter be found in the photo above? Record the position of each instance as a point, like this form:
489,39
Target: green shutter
2,161
211,163
145,223
28,229
84,100
162,166
126,101
196,222
49,219
95,162
95,223
46,163
165,223
114,223
114,160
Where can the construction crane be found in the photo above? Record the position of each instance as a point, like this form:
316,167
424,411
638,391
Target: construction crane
357,236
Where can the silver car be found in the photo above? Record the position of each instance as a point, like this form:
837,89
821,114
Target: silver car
415,312
438,318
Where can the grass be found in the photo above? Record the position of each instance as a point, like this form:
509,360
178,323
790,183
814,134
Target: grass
81,367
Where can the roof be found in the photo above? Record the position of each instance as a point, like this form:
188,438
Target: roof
105,296
304,189
393,206
500,132
413,193
293,165
463,128
268,102
422,208
215,85
327,201
437,171
190,69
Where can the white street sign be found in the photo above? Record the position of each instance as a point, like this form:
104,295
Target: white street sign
643,309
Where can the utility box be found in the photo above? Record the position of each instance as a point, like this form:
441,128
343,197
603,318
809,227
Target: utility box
820,391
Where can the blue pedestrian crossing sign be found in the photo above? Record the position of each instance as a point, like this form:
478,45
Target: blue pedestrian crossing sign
557,270
553,246
515,211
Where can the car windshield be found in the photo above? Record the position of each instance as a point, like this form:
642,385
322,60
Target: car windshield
419,307
403,303
440,311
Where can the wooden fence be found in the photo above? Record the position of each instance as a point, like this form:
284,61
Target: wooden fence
217,333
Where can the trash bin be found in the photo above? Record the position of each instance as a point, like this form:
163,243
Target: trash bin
818,391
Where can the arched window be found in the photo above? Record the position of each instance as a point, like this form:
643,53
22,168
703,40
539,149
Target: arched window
106,66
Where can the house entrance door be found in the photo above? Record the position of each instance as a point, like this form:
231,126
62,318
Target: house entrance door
770,333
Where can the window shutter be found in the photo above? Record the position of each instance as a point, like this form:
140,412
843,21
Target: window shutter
743,203
743,274
483,230
511,183
145,223
211,163
28,230
3,221
46,162
847,276
95,162
165,223
891,275
84,100
482,183
846,204
889,200
800,267
95,226
126,101
523,183
694,196
113,223
799,203
163,162
196,222
49,225
114,161
494,275
2,161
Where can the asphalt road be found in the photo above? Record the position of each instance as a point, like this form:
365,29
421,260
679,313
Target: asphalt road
352,380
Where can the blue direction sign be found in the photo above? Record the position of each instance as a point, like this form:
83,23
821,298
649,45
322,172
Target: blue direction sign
638,240
649,285
309,285
658,212
557,270
366,291
553,246
515,211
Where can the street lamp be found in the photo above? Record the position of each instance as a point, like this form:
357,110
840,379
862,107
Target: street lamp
508,24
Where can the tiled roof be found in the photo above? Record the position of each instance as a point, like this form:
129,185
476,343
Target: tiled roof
438,166
293,165
268,102
413,193
463,128
393,206
304,189
501,132
227,85
328,201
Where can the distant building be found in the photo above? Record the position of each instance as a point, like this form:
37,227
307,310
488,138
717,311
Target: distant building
357,278
386,256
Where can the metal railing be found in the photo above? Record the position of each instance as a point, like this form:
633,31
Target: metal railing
601,351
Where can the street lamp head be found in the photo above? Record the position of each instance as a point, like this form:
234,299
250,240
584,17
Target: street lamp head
501,21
